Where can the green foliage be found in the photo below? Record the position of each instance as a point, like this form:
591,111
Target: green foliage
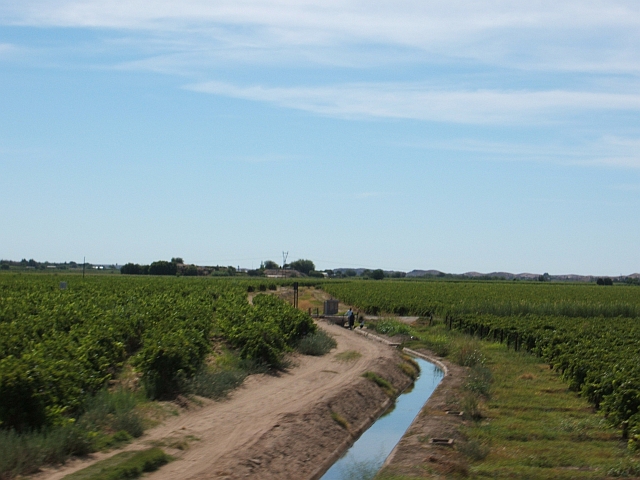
59,347
265,330
303,266
131,269
270,265
377,274
381,382
317,343
216,384
23,453
474,450
113,411
122,466
479,380
391,327
162,267
591,335
340,420
423,298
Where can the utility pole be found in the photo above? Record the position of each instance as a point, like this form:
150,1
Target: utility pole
284,261
84,262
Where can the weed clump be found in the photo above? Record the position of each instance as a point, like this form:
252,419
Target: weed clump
340,420
125,465
215,384
479,380
391,327
348,355
474,450
381,382
409,367
469,354
317,344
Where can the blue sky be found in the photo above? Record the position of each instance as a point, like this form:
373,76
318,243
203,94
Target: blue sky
454,135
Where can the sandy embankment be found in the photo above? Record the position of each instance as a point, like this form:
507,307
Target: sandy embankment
275,426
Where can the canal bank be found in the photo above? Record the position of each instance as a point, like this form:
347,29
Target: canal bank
368,453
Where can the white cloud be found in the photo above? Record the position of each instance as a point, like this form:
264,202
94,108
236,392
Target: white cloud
419,102
587,34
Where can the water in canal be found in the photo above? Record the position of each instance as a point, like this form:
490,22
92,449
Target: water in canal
363,460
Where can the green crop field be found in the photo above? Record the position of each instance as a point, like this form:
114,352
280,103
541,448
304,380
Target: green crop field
589,333
60,346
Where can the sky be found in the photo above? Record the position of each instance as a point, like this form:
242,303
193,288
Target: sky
454,135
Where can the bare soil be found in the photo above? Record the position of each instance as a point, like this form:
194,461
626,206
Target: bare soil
415,455
275,426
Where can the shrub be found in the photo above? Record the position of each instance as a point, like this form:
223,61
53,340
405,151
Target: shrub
264,331
471,407
23,453
113,411
469,354
392,327
216,384
479,380
318,343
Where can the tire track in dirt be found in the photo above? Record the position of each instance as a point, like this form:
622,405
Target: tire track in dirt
257,407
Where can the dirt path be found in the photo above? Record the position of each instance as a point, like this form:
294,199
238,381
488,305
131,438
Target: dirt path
217,433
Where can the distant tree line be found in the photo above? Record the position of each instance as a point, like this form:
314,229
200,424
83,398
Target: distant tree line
176,266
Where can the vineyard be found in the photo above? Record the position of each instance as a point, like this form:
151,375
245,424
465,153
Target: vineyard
590,334
59,347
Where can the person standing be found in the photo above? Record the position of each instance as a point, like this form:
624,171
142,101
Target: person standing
350,318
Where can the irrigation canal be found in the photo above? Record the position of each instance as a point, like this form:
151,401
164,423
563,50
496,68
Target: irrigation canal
368,453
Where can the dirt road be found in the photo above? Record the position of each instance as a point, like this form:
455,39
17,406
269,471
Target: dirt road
215,435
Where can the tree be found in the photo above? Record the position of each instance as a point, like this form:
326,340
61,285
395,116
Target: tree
190,271
131,269
177,260
162,267
350,272
377,274
303,266
270,265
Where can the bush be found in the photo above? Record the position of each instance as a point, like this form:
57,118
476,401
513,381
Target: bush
169,358
469,354
391,327
318,343
479,381
23,453
216,384
264,331
113,411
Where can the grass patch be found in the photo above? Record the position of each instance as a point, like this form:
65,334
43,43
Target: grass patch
317,343
381,382
109,419
125,465
216,384
390,327
340,420
532,426
348,356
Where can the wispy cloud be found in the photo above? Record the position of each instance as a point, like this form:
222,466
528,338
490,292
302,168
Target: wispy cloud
7,49
590,35
420,102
